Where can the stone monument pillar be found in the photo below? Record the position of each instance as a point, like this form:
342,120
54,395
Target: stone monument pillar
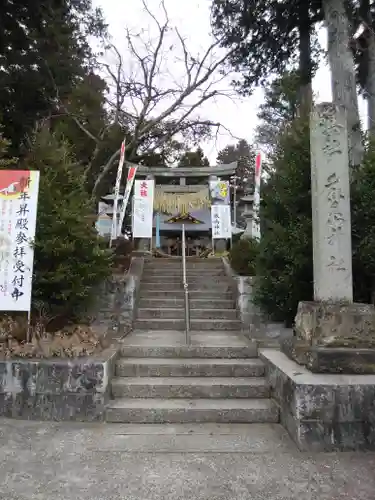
332,334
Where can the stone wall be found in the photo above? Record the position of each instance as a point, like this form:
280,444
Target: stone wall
57,389
74,389
127,297
322,412
255,324
117,298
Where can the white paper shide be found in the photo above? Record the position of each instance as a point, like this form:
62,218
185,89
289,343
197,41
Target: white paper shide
18,213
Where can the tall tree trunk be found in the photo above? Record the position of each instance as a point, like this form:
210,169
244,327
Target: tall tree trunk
367,19
305,62
344,88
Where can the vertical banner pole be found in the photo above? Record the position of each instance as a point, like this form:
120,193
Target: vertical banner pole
157,230
256,202
117,192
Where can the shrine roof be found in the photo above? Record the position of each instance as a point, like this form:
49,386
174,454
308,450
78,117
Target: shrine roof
203,215
218,170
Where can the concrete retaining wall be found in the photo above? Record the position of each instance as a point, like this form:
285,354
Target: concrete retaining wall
322,412
74,389
255,324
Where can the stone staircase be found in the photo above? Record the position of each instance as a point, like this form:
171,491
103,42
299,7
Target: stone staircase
161,304
217,378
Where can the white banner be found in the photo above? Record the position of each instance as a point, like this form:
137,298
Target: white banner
18,212
117,192
129,184
143,208
221,222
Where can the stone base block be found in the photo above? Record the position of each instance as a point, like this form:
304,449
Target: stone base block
57,389
322,412
341,360
330,359
336,325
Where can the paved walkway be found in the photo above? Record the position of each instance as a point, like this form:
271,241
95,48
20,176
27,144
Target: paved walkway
61,461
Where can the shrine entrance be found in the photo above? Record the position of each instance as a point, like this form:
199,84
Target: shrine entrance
197,241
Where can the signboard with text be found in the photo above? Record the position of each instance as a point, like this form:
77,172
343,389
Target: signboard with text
18,212
221,222
143,208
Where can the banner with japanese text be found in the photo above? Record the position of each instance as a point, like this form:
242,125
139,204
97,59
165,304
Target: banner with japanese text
18,213
221,222
143,208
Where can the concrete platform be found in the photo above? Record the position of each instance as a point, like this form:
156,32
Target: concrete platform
60,461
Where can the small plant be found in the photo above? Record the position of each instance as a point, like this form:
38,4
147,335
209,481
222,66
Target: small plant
243,256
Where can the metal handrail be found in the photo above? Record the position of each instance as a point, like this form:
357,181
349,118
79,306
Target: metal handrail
186,287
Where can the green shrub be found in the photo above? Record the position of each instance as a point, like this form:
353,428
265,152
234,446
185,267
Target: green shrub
70,260
285,265
243,256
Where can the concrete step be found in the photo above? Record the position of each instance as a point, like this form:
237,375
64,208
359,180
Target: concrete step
193,285
189,367
190,387
179,324
177,271
179,313
192,410
179,302
190,262
191,351
216,294
199,277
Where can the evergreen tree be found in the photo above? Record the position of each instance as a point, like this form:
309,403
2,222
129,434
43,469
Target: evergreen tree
44,54
363,228
279,109
285,265
194,159
268,36
69,257
243,153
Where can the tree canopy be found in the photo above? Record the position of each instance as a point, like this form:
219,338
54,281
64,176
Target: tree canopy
242,153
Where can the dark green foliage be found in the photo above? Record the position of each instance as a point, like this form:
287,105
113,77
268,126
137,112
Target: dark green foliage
267,36
44,54
243,153
70,259
194,159
279,109
243,256
285,265
363,228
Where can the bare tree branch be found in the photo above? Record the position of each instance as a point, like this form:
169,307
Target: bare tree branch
143,97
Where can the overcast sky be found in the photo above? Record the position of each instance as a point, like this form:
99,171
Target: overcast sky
192,17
